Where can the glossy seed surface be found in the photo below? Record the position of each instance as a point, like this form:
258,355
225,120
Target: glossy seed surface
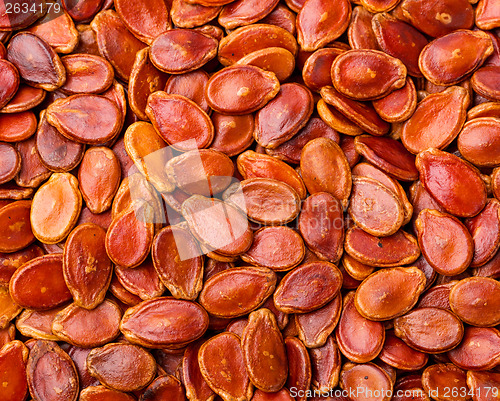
237,200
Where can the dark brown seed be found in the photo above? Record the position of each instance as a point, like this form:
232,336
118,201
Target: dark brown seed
319,23
283,116
204,214
247,39
194,383
430,330
115,42
308,287
10,162
10,82
86,265
269,245
315,327
358,338
191,85
17,126
99,177
86,73
25,99
88,328
85,118
39,283
13,358
182,50
264,200
264,351
164,322
321,225
223,367
479,349
437,378
123,367
450,58
38,324
396,250
17,233
241,89
400,356
196,131
37,62
238,291
475,300
145,19
357,74
325,364
56,152
177,260
52,375
370,376
389,293
142,280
